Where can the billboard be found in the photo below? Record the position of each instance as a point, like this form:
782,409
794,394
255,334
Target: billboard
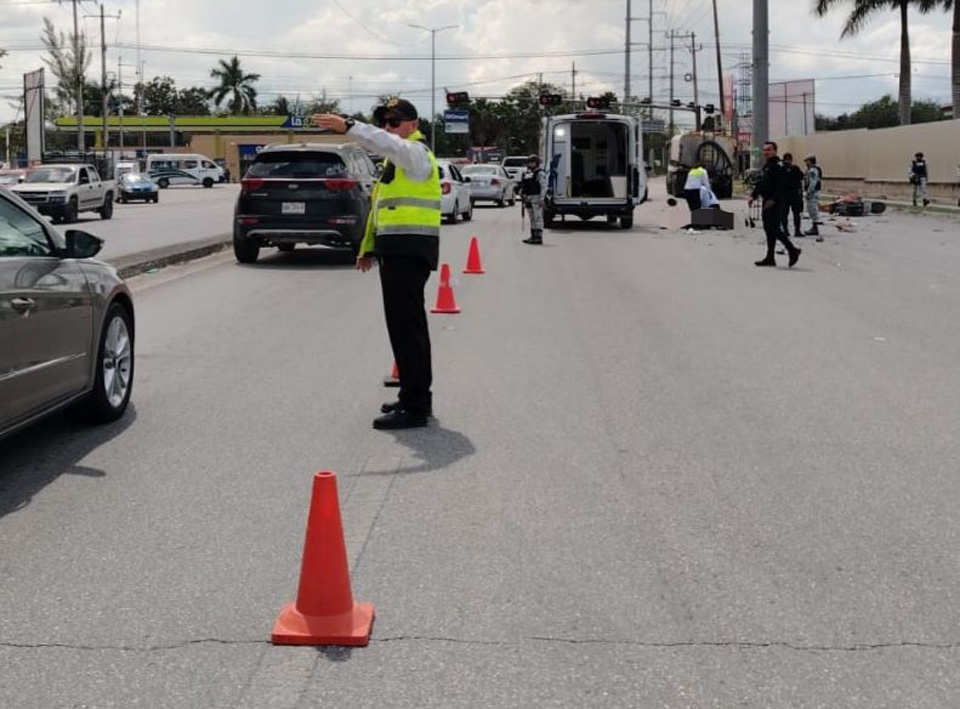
33,113
792,108
456,121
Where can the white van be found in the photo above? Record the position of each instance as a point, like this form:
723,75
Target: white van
168,169
594,163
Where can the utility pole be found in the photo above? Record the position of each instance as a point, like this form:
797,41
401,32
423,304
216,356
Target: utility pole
104,134
120,99
716,35
433,77
672,35
77,68
626,53
693,53
761,78
649,58
143,126
573,82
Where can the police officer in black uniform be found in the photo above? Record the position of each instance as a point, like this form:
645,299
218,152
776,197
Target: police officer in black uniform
533,189
793,196
770,190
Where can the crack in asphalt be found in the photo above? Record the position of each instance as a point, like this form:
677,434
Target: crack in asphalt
677,644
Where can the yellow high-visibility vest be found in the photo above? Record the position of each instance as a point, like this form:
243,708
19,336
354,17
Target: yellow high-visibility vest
403,207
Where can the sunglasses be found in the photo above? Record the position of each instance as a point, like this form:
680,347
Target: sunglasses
391,121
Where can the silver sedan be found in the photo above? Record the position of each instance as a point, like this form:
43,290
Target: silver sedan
490,183
66,323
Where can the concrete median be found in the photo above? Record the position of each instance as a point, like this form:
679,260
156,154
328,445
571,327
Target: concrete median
134,264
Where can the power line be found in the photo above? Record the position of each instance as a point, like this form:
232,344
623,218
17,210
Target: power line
371,32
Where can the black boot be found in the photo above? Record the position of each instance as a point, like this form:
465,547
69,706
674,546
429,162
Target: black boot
535,237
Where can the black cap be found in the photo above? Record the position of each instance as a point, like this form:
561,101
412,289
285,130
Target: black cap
401,108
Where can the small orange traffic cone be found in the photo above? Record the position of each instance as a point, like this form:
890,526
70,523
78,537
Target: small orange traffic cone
324,613
446,299
474,265
394,379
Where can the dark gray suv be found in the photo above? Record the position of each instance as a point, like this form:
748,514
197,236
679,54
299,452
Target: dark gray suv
66,323
307,193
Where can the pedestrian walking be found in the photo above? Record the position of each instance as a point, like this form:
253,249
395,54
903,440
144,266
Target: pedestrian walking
918,178
770,192
792,197
696,178
403,235
812,184
533,188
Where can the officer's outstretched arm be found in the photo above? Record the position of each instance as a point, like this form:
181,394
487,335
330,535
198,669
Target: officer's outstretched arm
409,155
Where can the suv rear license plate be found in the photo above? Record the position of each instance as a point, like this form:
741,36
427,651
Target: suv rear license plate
294,208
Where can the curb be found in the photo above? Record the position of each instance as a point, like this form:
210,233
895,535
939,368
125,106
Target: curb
143,261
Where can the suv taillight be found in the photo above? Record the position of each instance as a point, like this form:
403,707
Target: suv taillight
494,182
445,188
339,184
248,184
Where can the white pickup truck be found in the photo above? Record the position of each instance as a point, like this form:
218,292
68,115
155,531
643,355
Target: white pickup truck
62,191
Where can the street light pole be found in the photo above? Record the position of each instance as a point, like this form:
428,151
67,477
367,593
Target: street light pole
433,77
761,69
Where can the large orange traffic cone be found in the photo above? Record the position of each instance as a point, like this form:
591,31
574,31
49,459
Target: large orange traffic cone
446,299
394,379
324,613
474,265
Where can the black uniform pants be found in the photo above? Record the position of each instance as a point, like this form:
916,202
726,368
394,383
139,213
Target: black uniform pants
772,227
693,199
792,204
402,279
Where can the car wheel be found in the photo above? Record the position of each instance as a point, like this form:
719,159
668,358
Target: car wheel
626,221
163,183
113,383
455,214
156,200
468,215
70,215
286,248
121,199
245,250
513,200
106,211
208,182
548,218
501,202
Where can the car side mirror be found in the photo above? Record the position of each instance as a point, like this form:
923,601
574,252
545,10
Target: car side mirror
467,179
80,244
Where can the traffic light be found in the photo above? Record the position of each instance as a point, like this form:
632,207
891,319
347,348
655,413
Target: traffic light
710,109
551,99
598,102
675,103
455,98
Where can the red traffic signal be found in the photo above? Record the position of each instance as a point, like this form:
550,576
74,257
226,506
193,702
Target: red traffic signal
598,102
457,97
550,99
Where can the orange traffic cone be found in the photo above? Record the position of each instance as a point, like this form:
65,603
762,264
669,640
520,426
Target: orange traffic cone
474,265
446,299
394,379
324,613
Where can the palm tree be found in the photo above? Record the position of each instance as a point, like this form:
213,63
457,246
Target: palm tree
861,12
237,85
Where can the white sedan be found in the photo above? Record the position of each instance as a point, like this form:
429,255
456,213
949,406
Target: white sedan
455,202
490,183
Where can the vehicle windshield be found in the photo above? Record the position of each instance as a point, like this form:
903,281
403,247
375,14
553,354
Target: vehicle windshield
136,178
297,165
10,178
480,170
515,162
52,174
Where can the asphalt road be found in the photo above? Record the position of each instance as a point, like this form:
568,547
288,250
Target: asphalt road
183,214
658,477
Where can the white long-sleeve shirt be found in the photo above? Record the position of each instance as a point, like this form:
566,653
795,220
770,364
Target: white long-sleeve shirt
411,156
696,179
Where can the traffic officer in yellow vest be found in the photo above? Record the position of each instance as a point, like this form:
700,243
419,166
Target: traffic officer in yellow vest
696,178
403,234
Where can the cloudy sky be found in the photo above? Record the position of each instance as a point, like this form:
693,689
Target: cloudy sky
496,43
